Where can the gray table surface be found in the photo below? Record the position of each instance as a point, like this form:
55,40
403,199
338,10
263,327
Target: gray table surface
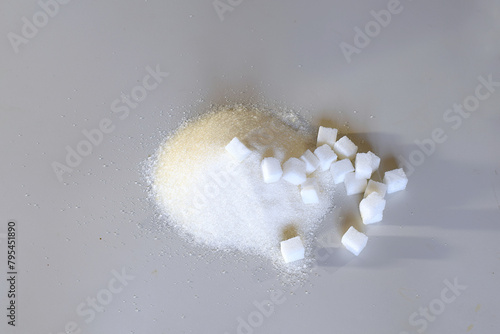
92,254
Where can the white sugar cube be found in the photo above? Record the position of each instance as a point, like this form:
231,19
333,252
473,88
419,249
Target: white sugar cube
375,187
309,192
366,164
345,148
395,180
312,161
292,249
354,241
363,166
326,136
294,171
325,156
339,170
375,160
372,208
237,149
353,185
271,170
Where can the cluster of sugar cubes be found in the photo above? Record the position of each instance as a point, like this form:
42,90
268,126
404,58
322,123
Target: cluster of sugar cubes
356,178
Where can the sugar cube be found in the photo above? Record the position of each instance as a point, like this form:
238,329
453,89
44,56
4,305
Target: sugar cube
325,156
354,241
395,180
309,192
345,148
292,249
294,171
375,160
237,149
366,164
271,170
339,170
377,187
312,161
353,185
363,166
326,136
372,208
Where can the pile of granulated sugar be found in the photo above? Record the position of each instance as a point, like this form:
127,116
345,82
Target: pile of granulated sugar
225,204
241,178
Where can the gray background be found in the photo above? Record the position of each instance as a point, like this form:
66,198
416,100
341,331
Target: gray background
73,235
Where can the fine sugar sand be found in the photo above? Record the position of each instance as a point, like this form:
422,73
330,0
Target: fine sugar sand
213,199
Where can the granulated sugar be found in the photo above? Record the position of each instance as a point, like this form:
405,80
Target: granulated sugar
224,204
